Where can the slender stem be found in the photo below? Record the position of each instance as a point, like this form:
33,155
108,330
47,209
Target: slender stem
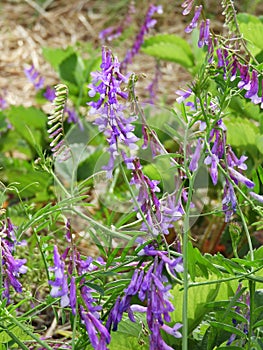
186,230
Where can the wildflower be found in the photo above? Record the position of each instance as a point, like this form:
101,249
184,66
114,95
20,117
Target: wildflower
204,33
60,284
3,103
50,94
244,83
112,121
34,77
98,334
237,177
11,267
229,201
147,197
114,32
194,21
195,157
252,93
187,5
149,22
256,196
150,286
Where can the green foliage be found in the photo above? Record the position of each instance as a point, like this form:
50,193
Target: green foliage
169,47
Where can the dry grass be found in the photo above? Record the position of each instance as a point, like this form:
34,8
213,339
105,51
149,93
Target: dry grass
26,27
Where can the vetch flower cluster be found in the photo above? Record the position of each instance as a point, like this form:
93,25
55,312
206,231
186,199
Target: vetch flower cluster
11,267
149,23
114,32
34,77
78,296
222,154
112,121
151,286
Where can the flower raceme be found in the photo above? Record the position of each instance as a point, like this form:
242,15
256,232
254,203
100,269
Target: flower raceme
149,22
112,121
151,287
11,267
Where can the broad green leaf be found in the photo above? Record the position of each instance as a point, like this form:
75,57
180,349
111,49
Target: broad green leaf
198,297
241,132
169,47
71,69
252,29
129,335
29,123
56,56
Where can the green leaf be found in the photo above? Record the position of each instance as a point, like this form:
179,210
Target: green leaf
242,132
29,123
71,69
130,335
252,29
169,47
227,328
5,337
198,297
56,56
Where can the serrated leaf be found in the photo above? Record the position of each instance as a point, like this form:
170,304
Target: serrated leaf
170,48
198,297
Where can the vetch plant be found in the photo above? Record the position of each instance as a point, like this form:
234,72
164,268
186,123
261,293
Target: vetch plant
140,278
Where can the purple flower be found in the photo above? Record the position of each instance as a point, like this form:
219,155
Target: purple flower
98,334
114,32
183,95
3,103
50,94
187,5
147,198
237,177
73,295
256,196
244,76
112,121
11,267
229,201
149,22
152,287
60,284
34,77
196,156
204,33
252,93
194,21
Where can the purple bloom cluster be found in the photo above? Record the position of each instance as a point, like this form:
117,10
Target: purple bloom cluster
151,286
159,214
3,103
11,267
34,77
64,268
149,22
220,152
112,121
